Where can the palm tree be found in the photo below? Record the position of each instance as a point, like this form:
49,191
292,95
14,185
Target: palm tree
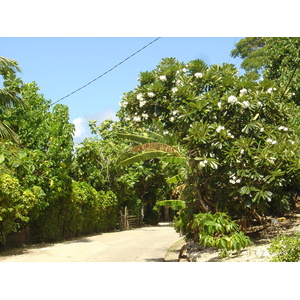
8,98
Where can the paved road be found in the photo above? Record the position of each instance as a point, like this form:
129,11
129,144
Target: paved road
147,244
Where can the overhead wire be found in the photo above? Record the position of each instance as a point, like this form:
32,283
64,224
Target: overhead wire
111,69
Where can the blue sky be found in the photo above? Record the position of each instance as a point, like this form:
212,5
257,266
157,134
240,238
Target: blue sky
60,65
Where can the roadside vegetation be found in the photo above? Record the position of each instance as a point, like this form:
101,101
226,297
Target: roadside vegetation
219,149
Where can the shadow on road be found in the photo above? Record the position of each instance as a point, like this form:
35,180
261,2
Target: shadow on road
154,260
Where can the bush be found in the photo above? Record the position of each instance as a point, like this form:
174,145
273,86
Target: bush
84,211
218,230
285,248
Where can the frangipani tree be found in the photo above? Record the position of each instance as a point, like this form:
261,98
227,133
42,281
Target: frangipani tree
240,134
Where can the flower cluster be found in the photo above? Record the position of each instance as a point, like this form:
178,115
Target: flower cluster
203,163
243,92
234,179
123,104
245,104
283,128
270,141
232,99
219,128
174,89
198,75
163,78
270,90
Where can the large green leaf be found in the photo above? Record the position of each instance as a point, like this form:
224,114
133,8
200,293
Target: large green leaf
142,157
178,204
136,138
174,179
175,160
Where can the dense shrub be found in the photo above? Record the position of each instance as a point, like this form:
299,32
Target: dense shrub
285,248
85,211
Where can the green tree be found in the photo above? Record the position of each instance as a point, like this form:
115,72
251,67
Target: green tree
252,51
240,134
283,61
277,58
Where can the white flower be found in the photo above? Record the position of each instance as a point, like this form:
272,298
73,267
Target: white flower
183,70
230,135
270,90
262,129
127,118
203,163
270,141
175,112
142,103
123,104
174,89
137,119
243,91
259,103
172,119
179,82
238,181
220,128
163,78
292,142
198,75
232,181
139,97
145,116
151,95
232,99
219,104
245,104
283,128
242,151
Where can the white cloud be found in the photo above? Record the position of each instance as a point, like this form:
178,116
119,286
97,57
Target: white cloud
80,127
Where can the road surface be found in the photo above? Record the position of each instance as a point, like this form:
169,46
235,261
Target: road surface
147,244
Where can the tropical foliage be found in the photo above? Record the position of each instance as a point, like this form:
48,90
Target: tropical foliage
213,145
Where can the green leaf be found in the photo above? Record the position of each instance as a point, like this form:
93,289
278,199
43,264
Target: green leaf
142,157
174,179
175,160
136,138
2,158
176,203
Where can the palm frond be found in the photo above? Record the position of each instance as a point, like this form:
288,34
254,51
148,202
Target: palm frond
9,64
7,133
9,99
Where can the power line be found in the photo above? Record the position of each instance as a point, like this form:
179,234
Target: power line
106,71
